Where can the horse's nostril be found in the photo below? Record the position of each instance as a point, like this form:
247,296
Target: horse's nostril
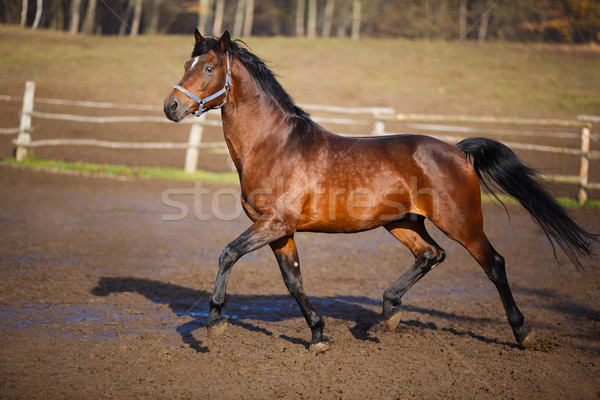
174,105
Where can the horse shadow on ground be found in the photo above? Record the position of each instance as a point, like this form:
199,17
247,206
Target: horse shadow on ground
184,301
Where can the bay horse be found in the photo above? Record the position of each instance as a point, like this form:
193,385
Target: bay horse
295,176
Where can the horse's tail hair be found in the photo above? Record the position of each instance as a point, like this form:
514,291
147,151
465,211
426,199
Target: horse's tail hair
498,167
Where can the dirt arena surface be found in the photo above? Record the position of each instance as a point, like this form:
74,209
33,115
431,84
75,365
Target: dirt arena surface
104,294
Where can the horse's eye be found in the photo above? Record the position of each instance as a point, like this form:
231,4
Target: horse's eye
209,70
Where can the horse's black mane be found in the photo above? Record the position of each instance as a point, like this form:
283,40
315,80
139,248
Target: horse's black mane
263,76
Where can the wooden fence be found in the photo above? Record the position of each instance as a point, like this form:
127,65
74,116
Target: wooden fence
382,116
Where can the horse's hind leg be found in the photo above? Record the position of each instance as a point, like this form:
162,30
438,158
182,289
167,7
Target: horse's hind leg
494,267
287,257
410,231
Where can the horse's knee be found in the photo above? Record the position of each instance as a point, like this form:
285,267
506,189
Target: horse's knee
228,257
431,258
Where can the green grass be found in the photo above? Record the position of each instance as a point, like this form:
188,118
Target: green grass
567,202
204,176
87,168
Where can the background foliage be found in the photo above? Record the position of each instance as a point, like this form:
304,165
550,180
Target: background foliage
564,21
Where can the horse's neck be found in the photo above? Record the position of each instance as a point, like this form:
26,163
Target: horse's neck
249,118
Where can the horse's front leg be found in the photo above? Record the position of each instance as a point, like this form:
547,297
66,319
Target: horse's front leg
261,233
289,263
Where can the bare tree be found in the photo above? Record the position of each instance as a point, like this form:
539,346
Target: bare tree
219,11
356,19
343,24
300,11
155,17
57,21
327,18
137,17
24,7
90,18
462,18
485,19
203,15
239,18
311,23
75,16
249,18
126,17
38,14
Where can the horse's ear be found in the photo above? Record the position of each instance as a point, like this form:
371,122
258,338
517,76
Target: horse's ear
198,36
225,42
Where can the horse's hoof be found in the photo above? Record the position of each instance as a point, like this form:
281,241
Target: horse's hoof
217,330
529,339
320,347
393,321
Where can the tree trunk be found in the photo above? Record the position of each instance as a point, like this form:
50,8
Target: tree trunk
218,23
137,17
485,19
343,24
428,20
90,18
311,24
442,21
24,7
154,19
58,22
248,18
300,11
356,17
75,17
126,16
327,18
239,18
462,18
203,14
38,14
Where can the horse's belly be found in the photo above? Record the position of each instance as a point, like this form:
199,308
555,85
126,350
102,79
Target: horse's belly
357,212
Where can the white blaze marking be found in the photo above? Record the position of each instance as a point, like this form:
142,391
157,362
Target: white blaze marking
195,62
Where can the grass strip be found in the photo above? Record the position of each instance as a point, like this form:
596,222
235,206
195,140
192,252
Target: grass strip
86,168
177,174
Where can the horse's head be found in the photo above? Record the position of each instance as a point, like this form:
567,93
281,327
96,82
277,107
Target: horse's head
206,81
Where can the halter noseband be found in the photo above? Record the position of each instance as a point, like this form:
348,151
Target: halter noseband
202,102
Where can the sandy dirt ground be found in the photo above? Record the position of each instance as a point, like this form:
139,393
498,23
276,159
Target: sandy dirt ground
104,292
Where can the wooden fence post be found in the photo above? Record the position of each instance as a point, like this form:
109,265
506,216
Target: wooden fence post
191,155
585,164
379,128
24,137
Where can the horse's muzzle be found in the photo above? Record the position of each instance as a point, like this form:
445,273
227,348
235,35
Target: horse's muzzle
174,109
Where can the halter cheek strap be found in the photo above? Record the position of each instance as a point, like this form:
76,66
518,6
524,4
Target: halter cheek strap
202,102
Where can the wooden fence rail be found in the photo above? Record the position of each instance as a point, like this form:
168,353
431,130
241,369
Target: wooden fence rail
381,115
584,152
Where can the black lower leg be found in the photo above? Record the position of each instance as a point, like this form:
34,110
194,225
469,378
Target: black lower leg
261,233
217,299
497,275
392,297
287,258
214,316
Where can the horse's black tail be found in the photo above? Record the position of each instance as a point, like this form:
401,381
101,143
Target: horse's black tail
497,166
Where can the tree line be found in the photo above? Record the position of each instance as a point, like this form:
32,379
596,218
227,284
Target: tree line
565,21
